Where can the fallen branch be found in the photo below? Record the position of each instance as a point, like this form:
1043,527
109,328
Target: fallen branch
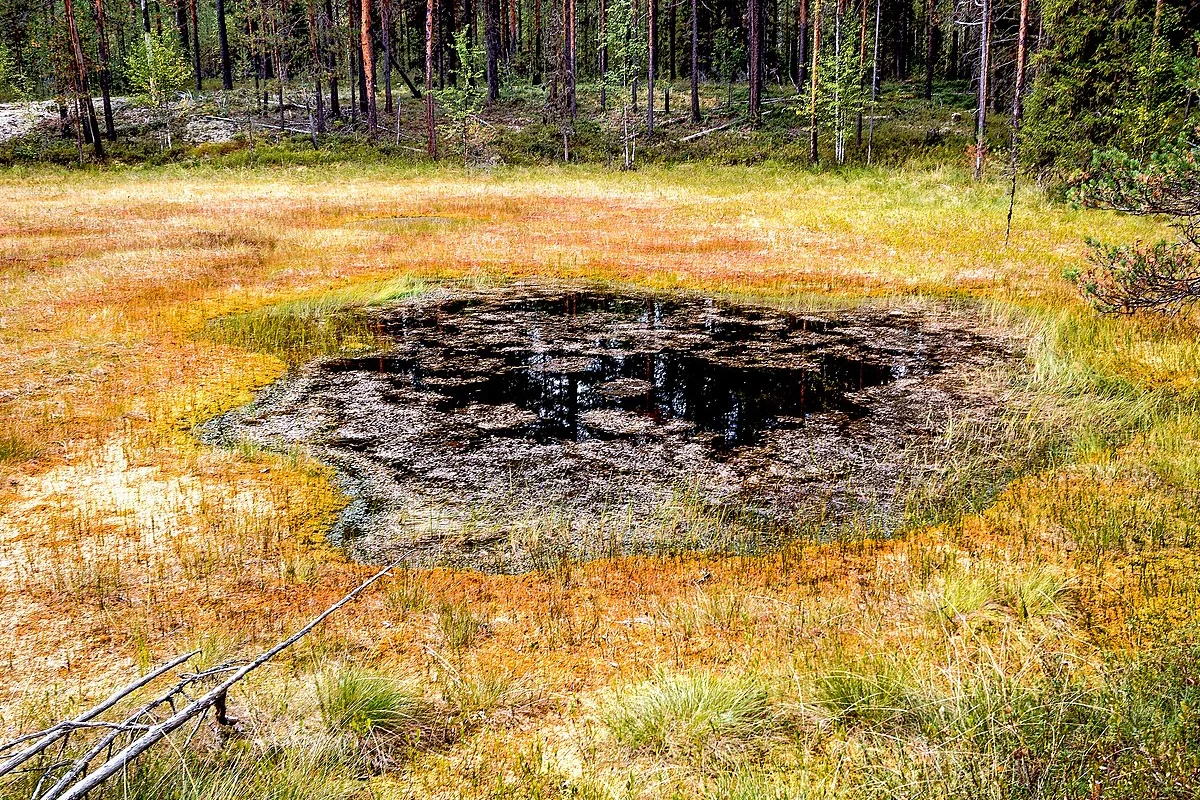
694,136
56,732
200,705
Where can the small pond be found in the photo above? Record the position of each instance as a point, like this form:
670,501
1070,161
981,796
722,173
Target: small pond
506,428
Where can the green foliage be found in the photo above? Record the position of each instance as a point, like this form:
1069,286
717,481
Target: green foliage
690,715
1104,79
1162,276
627,54
729,56
360,702
840,86
157,67
462,101
12,82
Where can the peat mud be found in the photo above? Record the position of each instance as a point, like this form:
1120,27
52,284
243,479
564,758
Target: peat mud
505,429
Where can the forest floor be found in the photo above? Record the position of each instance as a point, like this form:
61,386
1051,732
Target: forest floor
1043,645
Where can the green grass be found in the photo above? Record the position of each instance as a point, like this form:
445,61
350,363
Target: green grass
695,715
362,702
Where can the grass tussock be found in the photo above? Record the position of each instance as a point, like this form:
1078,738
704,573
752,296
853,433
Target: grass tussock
696,715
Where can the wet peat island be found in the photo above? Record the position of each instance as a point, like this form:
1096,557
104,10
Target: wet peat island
506,428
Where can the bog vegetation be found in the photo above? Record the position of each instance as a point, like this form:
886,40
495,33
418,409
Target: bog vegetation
201,196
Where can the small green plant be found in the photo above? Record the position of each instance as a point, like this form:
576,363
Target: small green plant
874,691
462,101
692,715
157,68
459,624
361,702
15,448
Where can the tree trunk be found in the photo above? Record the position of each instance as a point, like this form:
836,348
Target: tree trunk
755,65
874,81
812,98
862,72
82,94
695,65
223,44
1018,87
930,28
985,35
368,50
318,124
570,34
110,129
385,12
196,45
652,54
181,25
802,43
430,8
537,44
603,65
491,32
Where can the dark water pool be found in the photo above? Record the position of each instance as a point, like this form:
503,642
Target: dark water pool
505,428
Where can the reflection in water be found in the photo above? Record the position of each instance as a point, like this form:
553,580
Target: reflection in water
729,372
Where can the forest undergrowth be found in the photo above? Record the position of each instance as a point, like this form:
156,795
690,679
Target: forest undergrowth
1042,645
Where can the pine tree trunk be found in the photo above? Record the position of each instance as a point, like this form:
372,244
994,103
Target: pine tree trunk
491,27
802,43
196,46
223,45
110,129
335,100
385,12
814,74
368,51
695,65
755,65
430,8
985,36
82,94
652,54
930,27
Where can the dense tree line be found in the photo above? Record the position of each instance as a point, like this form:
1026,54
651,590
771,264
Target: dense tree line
1073,73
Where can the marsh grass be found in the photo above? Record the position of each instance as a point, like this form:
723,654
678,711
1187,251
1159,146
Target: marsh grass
693,716
363,703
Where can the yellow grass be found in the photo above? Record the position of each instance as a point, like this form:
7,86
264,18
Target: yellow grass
123,541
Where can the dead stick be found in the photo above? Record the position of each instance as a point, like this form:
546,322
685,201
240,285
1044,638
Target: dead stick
56,732
160,731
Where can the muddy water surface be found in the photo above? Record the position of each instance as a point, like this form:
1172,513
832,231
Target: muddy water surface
506,428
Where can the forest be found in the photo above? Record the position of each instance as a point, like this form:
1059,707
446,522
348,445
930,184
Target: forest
1062,77
600,399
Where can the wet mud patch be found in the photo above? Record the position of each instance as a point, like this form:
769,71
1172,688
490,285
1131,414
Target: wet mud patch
506,429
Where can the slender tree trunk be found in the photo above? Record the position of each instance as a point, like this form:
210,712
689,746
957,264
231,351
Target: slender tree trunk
110,129
952,67
314,40
571,72
695,65
181,25
862,72
755,65
385,12
223,45
1018,88
985,35
930,32
329,25
368,50
603,55
652,55
83,95
196,45
537,43
874,81
814,74
430,8
802,43
671,37
491,28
